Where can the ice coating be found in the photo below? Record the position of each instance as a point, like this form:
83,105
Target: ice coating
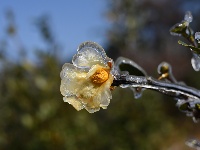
164,67
197,36
89,54
182,27
188,16
72,76
137,91
193,143
122,60
189,106
195,61
165,71
86,83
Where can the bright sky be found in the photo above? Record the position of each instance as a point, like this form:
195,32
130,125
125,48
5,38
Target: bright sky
73,21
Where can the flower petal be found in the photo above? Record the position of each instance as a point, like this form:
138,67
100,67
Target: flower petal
105,94
92,110
105,98
72,78
74,102
89,54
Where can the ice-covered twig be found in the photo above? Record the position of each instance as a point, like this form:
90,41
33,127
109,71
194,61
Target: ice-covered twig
188,98
193,143
171,89
183,29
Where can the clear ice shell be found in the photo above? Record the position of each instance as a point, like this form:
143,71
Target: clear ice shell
123,60
74,102
193,143
89,54
188,16
195,61
71,79
197,36
136,91
164,65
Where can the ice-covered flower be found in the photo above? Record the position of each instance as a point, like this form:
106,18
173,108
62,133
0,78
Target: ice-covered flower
87,82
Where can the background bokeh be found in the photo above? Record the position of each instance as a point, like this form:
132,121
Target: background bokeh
32,112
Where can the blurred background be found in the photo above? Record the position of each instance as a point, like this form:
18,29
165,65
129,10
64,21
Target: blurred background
37,38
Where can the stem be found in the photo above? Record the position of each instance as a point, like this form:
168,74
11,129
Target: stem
191,38
171,89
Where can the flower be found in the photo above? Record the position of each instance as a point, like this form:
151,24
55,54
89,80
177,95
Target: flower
87,82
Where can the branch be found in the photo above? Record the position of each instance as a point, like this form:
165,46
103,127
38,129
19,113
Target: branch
171,89
188,98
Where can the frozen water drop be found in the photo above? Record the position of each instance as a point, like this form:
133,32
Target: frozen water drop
164,67
197,36
195,61
188,16
137,95
137,92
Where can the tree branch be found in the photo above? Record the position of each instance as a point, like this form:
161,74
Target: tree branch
171,89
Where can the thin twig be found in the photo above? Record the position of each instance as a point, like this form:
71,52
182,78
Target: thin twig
171,89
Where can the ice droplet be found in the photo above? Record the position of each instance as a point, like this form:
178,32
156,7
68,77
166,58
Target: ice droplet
197,36
188,16
137,92
164,67
195,61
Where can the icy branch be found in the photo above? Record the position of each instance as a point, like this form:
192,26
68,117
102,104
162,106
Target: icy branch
188,98
171,89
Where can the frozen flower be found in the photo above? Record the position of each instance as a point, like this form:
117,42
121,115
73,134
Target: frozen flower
87,82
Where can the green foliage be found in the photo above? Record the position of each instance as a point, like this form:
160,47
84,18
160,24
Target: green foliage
193,48
179,28
183,29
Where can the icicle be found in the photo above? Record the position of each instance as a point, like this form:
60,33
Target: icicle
188,16
197,36
195,61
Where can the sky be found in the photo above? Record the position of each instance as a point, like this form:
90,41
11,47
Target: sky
72,22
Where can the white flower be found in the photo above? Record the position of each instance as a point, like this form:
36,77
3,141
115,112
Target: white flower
87,82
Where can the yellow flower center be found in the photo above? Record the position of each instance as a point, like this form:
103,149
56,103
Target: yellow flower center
100,76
